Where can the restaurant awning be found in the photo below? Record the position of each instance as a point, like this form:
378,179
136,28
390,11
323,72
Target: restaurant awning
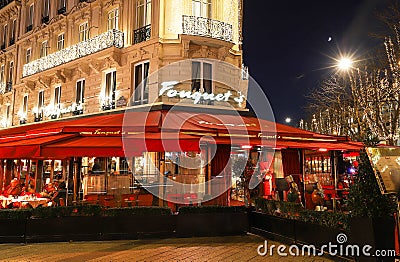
132,133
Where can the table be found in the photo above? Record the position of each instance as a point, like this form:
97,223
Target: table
34,202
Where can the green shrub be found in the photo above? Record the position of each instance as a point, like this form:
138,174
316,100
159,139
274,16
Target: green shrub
134,211
211,209
15,214
67,211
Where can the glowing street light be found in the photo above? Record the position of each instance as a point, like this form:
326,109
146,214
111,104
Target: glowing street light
288,120
345,63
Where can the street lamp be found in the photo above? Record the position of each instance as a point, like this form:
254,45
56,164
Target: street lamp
345,63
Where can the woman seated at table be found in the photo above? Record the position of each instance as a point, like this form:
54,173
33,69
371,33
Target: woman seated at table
49,192
14,189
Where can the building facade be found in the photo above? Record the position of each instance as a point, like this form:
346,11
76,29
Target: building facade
67,58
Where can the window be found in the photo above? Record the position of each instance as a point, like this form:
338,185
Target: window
60,42
25,105
141,84
143,13
5,31
83,32
201,8
62,6
43,49
202,77
1,74
80,92
46,8
11,72
28,55
8,111
40,105
57,96
13,29
109,91
31,11
113,17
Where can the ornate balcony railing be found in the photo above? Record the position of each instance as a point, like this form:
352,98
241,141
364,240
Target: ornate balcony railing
45,19
108,39
142,34
201,26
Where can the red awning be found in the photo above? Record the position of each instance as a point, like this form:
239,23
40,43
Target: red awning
28,148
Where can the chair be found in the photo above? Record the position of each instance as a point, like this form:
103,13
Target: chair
92,199
127,200
107,200
145,200
190,199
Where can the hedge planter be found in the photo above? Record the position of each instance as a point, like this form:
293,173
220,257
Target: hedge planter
376,232
63,229
273,226
317,235
12,230
211,221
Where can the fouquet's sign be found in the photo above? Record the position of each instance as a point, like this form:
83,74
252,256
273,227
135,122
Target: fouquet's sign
168,89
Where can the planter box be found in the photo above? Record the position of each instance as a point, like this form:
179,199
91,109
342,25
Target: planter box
63,229
138,226
273,225
12,230
376,232
317,235
211,224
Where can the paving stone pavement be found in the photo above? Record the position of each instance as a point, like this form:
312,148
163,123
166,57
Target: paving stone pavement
230,248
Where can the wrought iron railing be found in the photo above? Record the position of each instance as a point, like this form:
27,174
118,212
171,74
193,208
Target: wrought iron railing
142,34
84,48
45,19
201,26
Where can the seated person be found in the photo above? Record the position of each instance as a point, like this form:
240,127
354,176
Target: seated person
49,192
14,189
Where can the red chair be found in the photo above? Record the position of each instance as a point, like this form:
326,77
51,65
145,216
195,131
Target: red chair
107,200
92,199
128,200
145,200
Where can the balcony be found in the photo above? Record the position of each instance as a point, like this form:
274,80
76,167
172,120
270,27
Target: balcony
45,19
142,34
29,28
98,43
8,86
201,26
62,10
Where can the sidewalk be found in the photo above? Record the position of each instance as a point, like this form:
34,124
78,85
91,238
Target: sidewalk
230,248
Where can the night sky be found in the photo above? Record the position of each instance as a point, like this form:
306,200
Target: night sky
287,45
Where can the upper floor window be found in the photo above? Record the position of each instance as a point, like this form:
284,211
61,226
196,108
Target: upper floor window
5,32
46,11
201,8
40,105
57,97
113,19
109,90
202,77
13,29
28,55
43,49
11,72
80,91
143,13
83,32
62,6
141,84
30,16
25,105
60,41
8,112
1,74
